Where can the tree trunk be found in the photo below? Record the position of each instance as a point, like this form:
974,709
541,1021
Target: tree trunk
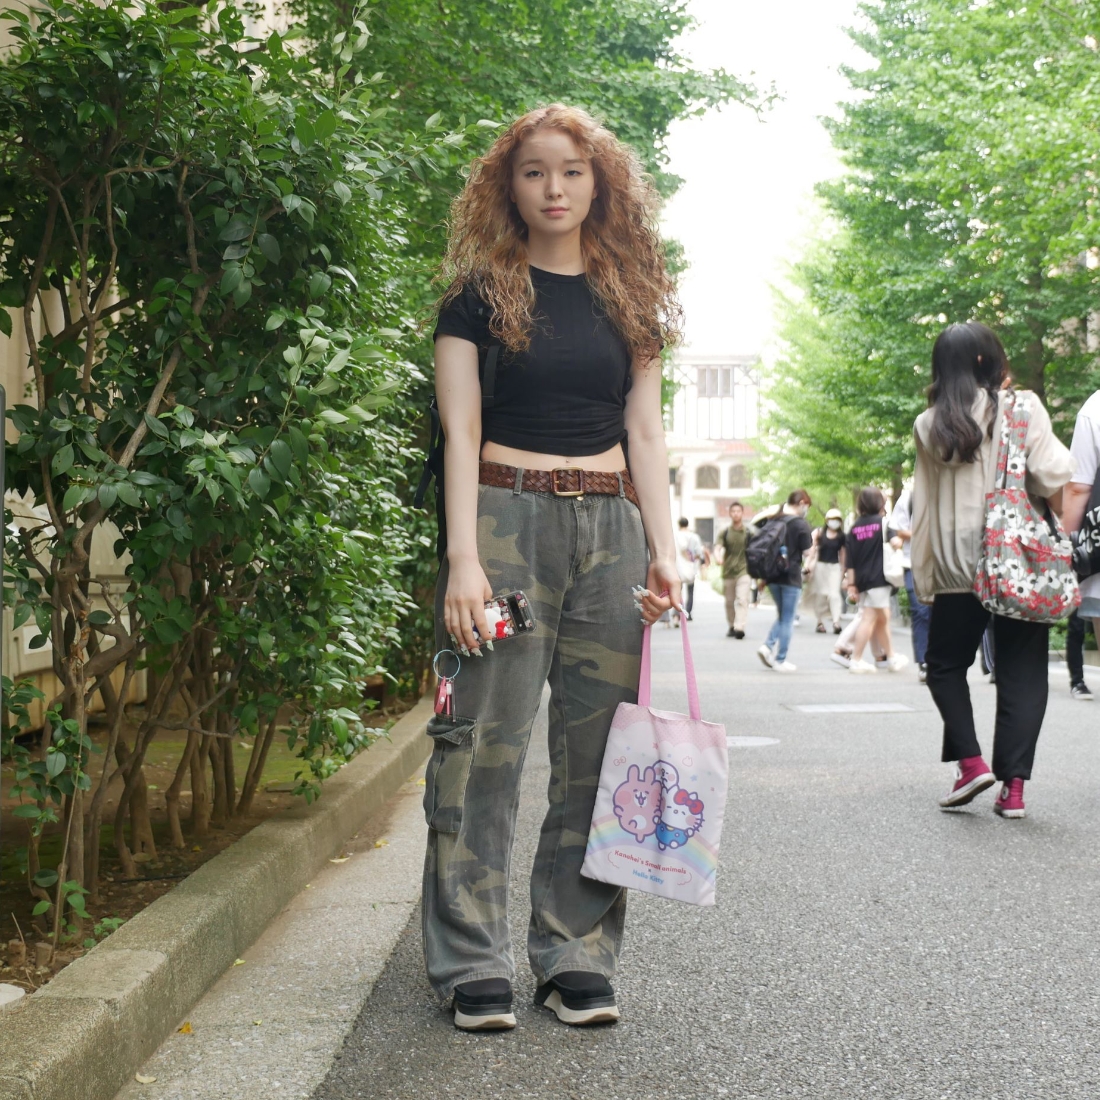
172,795
200,802
255,770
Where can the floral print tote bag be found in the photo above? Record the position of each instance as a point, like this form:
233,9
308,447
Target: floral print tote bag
1025,569
662,795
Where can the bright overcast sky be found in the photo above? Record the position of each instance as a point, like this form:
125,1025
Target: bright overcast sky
747,200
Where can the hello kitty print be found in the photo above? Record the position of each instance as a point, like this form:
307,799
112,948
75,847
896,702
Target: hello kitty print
657,820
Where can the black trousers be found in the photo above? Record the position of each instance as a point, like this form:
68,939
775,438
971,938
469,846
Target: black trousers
1075,647
958,622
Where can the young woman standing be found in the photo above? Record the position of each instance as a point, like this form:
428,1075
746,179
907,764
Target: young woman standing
957,438
557,487
825,566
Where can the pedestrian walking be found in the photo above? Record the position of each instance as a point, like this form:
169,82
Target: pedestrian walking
690,555
736,582
785,585
920,615
957,444
824,570
865,580
1080,499
546,360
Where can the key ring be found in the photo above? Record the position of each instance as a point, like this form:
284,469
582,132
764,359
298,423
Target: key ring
435,664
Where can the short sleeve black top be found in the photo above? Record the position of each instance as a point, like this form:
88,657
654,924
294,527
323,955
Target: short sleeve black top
567,393
864,549
828,550
798,539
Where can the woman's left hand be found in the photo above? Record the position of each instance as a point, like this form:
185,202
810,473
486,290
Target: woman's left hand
660,577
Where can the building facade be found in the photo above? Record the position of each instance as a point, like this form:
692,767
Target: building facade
711,430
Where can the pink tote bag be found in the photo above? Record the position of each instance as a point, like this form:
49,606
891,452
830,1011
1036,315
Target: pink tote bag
662,795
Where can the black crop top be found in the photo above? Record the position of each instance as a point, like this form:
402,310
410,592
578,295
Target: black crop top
565,394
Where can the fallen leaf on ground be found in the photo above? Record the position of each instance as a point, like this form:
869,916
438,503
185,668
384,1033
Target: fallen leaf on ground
381,843
238,962
143,1080
342,859
257,1022
421,782
186,1029
197,848
309,885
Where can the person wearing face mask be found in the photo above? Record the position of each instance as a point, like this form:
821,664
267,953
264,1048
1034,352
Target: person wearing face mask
786,590
825,566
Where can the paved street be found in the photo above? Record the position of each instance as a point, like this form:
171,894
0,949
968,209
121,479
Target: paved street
864,944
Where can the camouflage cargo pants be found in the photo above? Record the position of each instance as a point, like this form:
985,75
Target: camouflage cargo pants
576,559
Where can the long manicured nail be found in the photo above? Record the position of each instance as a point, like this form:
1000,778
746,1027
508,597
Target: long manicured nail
478,653
488,644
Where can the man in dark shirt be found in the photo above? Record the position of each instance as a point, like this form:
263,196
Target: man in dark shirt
735,571
788,590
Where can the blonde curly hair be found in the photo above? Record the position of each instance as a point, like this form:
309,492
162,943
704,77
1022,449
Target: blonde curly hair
623,255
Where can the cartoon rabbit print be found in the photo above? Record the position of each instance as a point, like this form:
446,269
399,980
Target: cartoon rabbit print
638,802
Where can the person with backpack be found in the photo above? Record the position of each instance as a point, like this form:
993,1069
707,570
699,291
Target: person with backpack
554,259
957,440
866,582
775,555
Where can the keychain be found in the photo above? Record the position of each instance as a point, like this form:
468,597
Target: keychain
445,693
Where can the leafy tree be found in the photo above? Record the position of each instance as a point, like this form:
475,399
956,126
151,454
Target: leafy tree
970,194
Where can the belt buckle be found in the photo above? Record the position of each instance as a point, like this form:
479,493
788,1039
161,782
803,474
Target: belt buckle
579,492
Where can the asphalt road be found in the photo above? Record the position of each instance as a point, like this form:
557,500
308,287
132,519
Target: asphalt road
864,944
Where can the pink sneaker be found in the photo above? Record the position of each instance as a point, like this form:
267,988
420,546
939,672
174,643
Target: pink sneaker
1010,802
972,776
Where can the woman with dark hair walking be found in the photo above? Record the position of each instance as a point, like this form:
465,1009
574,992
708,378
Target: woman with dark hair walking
956,440
554,266
866,582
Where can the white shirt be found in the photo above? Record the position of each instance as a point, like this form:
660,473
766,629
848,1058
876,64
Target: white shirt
689,552
1085,450
901,519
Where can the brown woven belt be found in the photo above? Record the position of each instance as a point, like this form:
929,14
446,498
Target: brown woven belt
564,481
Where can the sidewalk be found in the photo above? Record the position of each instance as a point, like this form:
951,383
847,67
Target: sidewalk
270,1026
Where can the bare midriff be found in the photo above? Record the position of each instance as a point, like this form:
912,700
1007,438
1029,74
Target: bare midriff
610,461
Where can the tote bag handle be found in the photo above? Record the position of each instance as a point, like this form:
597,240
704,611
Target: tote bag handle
645,686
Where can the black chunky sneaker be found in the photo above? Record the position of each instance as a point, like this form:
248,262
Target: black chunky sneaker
484,1005
579,997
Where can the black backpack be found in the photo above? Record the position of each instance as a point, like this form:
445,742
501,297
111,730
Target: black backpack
433,458
766,553
1086,543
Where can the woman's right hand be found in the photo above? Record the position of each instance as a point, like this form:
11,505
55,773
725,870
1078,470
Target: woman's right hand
468,591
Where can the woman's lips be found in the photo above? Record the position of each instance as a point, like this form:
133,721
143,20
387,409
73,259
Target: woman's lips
555,211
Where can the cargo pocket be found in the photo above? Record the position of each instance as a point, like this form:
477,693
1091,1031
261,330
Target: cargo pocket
448,771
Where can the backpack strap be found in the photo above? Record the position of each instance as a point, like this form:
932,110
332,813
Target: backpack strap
489,377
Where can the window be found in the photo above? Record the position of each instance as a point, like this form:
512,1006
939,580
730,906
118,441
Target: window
708,477
673,471
704,528
739,477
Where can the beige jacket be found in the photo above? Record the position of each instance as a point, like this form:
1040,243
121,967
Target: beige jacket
949,497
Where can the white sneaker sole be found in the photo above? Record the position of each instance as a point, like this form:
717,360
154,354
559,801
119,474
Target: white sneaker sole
496,1021
580,1017
968,793
840,659
1010,813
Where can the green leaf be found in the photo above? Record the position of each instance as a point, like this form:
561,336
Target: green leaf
331,416
128,494
25,811
266,642
85,111
282,456
259,482
236,229
63,460
275,321
106,58
324,125
45,878
156,426
100,618
55,763
40,908
319,283
232,278
269,246
304,132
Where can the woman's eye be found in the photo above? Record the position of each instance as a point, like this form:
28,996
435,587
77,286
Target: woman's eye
532,173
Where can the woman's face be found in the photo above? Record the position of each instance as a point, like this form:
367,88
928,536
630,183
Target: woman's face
552,184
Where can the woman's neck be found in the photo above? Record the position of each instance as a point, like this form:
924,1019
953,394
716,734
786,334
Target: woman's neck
559,255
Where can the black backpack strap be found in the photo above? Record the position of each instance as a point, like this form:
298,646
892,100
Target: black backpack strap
434,456
489,377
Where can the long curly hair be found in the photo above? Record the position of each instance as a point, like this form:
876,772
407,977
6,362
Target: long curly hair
622,251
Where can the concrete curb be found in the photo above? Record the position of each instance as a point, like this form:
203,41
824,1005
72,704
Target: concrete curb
82,1036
